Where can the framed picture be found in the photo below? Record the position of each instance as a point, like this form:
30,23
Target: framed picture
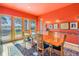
50,26
64,26
74,25
55,26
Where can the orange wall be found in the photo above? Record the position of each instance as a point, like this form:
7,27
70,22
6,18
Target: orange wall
8,11
66,14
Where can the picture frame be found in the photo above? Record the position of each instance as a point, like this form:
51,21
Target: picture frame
55,26
64,25
50,26
74,25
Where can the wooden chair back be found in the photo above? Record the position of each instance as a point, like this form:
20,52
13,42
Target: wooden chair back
51,34
64,39
62,46
40,41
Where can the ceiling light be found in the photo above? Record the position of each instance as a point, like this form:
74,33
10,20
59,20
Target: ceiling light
29,7
48,22
57,21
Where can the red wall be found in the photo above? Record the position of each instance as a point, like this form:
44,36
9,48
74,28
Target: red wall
67,14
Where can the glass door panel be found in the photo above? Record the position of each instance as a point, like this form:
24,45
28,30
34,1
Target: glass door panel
1,47
18,28
33,29
41,26
5,28
33,26
26,28
26,25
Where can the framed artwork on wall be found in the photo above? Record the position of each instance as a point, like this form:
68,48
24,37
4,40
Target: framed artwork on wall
64,26
73,25
50,26
55,26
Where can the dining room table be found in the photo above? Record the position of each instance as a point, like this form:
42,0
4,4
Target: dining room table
56,41
52,41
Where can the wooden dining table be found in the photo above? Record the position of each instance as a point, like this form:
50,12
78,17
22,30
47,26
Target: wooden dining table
56,41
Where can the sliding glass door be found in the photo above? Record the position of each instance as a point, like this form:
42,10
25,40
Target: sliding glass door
5,28
18,28
33,26
26,25
1,47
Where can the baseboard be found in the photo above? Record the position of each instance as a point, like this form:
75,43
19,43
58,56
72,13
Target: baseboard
71,46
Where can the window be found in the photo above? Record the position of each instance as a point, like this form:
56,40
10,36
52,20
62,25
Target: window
18,27
5,28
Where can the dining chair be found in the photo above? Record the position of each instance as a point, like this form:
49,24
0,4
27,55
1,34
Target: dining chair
27,38
51,36
41,46
60,47
34,41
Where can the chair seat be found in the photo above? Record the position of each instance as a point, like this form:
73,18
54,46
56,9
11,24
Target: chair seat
57,47
46,45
